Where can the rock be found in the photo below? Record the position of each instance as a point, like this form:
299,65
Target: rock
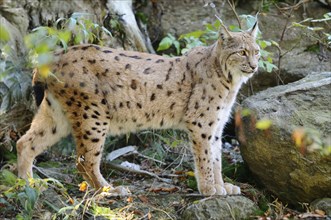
322,204
231,207
271,154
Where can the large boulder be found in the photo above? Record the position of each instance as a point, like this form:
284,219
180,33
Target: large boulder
291,173
231,207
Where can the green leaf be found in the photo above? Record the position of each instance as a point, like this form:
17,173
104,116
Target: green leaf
195,34
64,36
315,28
177,46
72,24
43,47
270,67
8,177
165,44
234,28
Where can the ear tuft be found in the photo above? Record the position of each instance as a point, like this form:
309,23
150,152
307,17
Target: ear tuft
254,30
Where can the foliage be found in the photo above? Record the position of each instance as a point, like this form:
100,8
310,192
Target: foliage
14,81
205,37
14,84
318,32
75,30
22,195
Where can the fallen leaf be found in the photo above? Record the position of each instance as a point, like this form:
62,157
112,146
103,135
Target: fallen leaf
111,201
161,189
149,215
298,136
138,212
83,186
319,212
71,201
179,172
143,198
106,188
190,173
129,199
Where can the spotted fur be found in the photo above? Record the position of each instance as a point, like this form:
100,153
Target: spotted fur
97,91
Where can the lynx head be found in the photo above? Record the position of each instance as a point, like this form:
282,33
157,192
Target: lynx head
238,52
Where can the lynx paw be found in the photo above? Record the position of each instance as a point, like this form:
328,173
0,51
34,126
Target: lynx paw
208,190
227,189
232,189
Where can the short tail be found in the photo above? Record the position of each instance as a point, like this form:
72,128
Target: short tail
39,87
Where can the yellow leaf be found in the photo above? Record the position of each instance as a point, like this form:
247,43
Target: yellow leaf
71,201
298,136
263,124
326,150
44,71
129,200
106,189
190,173
83,186
245,112
4,35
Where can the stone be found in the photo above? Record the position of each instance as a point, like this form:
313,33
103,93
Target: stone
231,207
323,204
291,173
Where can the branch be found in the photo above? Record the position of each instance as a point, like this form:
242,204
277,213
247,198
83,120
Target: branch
141,172
233,7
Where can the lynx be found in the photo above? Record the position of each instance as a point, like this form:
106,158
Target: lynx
97,91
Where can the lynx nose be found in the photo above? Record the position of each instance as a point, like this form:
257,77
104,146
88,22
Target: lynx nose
253,66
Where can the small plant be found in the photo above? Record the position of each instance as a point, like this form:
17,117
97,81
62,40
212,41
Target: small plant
74,30
21,194
319,33
15,83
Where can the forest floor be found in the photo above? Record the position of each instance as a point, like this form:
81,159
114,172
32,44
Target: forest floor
161,180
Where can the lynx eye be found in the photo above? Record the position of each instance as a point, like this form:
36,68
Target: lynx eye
242,53
257,52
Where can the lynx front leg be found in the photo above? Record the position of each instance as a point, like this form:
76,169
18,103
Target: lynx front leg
222,188
203,162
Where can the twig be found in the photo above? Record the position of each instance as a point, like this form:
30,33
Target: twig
233,8
141,172
147,157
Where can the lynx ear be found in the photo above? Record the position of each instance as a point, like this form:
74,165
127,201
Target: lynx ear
254,30
224,32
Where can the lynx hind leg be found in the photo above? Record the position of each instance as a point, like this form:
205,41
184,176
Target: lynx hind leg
89,129
221,187
89,150
47,128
